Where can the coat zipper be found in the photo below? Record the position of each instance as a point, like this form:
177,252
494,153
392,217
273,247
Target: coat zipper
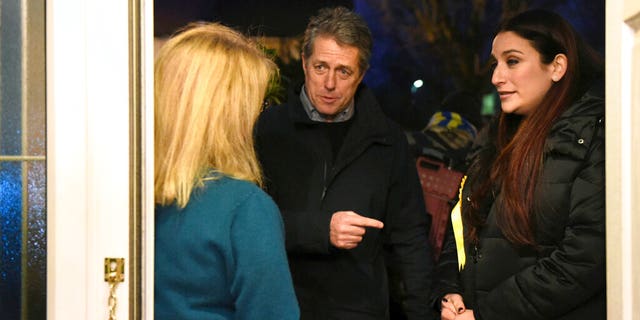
324,188
476,254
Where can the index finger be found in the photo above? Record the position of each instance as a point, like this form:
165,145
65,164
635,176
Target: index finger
368,222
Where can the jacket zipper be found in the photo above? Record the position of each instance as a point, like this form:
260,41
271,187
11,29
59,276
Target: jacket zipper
324,188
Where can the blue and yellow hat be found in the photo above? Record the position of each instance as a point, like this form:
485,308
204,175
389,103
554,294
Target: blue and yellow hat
451,121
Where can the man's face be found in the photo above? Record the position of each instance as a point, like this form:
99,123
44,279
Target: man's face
332,75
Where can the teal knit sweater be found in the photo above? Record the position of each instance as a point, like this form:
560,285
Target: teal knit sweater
222,256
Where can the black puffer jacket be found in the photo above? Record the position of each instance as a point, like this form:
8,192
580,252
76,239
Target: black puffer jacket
565,278
372,176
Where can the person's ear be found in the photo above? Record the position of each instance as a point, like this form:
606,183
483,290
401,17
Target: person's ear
559,67
362,75
304,63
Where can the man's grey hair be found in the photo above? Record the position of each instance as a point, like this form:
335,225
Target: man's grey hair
345,27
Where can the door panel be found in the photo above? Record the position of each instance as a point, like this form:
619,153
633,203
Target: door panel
89,149
623,150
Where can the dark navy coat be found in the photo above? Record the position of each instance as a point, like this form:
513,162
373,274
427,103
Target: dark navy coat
372,176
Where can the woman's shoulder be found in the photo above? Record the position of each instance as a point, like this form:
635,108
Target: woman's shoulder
239,194
233,189
580,128
228,199
248,207
589,105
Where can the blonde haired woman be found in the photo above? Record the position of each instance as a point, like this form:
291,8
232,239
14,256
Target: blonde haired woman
219,244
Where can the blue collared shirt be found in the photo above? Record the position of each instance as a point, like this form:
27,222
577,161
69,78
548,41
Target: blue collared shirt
314,115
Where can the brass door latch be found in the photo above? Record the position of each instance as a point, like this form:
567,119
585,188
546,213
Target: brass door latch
113,270
114,275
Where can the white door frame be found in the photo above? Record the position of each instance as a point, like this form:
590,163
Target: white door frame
88,156
623,152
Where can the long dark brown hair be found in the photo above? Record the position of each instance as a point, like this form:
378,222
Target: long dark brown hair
513,163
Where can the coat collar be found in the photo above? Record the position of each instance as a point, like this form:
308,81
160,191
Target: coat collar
571,134
577,128
369,121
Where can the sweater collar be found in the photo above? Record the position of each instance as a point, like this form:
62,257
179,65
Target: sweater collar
368,121
314,115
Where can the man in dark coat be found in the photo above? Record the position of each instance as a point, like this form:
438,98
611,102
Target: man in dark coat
341,175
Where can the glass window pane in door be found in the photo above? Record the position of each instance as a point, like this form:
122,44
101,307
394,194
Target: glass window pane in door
22,160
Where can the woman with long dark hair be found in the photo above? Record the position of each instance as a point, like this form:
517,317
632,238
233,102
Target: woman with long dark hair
531,244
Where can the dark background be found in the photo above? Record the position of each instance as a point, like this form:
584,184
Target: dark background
445,43
277,18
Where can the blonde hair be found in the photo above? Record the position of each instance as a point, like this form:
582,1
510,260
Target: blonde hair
210,82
